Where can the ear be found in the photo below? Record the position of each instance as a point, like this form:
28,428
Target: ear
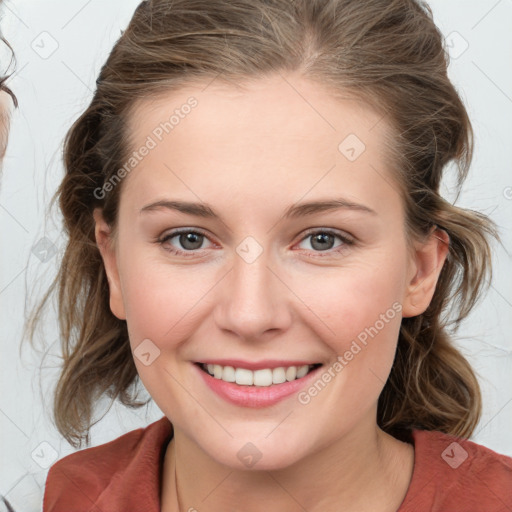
105,243
428,260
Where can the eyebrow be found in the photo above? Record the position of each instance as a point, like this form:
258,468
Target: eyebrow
294,211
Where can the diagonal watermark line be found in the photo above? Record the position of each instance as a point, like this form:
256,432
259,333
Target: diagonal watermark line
198,301
493,347
14,218
304,195
86,496
285,490
509,506
492,211
392,185
410,498
486,14
15,484
198,402
17,72
493,417
383,382
332,332
199,199
216,487
377,123
492,81
501,295
13,423
14,14
212,80
279,424
308,102
36,482
13,279
76,76
76,14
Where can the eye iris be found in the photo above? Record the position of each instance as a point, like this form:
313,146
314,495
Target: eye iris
194,238
323,239
320,241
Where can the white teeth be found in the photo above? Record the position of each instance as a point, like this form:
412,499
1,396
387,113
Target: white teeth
217,371
263,378
291,373
302,371
228,374
244,377
278,375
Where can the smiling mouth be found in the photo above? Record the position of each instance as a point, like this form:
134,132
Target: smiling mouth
260,378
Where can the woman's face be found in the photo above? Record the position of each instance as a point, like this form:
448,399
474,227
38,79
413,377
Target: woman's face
258,280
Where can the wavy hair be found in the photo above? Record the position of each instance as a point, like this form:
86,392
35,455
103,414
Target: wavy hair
387,53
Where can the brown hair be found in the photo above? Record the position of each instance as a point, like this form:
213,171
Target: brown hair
388,53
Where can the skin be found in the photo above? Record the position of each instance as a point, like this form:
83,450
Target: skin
250,154
5,110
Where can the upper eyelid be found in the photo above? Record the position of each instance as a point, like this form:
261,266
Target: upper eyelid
336,232
179,231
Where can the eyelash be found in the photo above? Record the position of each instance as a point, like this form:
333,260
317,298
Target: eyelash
347,241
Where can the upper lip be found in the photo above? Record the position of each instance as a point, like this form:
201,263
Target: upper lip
257,365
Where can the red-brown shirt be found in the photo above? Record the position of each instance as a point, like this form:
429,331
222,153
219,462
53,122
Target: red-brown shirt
124,475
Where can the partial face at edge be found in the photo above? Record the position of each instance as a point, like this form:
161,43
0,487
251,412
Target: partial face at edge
5,107
253,284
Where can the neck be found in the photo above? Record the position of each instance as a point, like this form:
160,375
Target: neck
364,470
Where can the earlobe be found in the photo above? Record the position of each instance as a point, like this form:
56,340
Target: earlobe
104,241
429,257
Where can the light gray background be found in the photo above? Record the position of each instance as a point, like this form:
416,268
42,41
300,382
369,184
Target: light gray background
60,46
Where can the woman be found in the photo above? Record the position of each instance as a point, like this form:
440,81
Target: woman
256,231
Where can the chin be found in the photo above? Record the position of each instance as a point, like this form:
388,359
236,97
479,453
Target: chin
255,452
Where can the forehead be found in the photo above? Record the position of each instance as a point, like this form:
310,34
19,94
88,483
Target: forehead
260,135
277,105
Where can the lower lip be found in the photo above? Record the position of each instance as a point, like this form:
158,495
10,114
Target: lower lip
255,396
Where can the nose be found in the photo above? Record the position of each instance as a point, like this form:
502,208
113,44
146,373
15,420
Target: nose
254,302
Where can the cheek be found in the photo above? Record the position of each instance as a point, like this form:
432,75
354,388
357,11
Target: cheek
163,301
349,300
357,313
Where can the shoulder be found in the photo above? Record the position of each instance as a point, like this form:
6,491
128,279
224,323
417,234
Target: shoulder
452,473
87,477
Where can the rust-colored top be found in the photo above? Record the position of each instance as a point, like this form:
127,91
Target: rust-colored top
124,475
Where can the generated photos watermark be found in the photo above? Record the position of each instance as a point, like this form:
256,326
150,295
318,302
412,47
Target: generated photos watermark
151,142
355,348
